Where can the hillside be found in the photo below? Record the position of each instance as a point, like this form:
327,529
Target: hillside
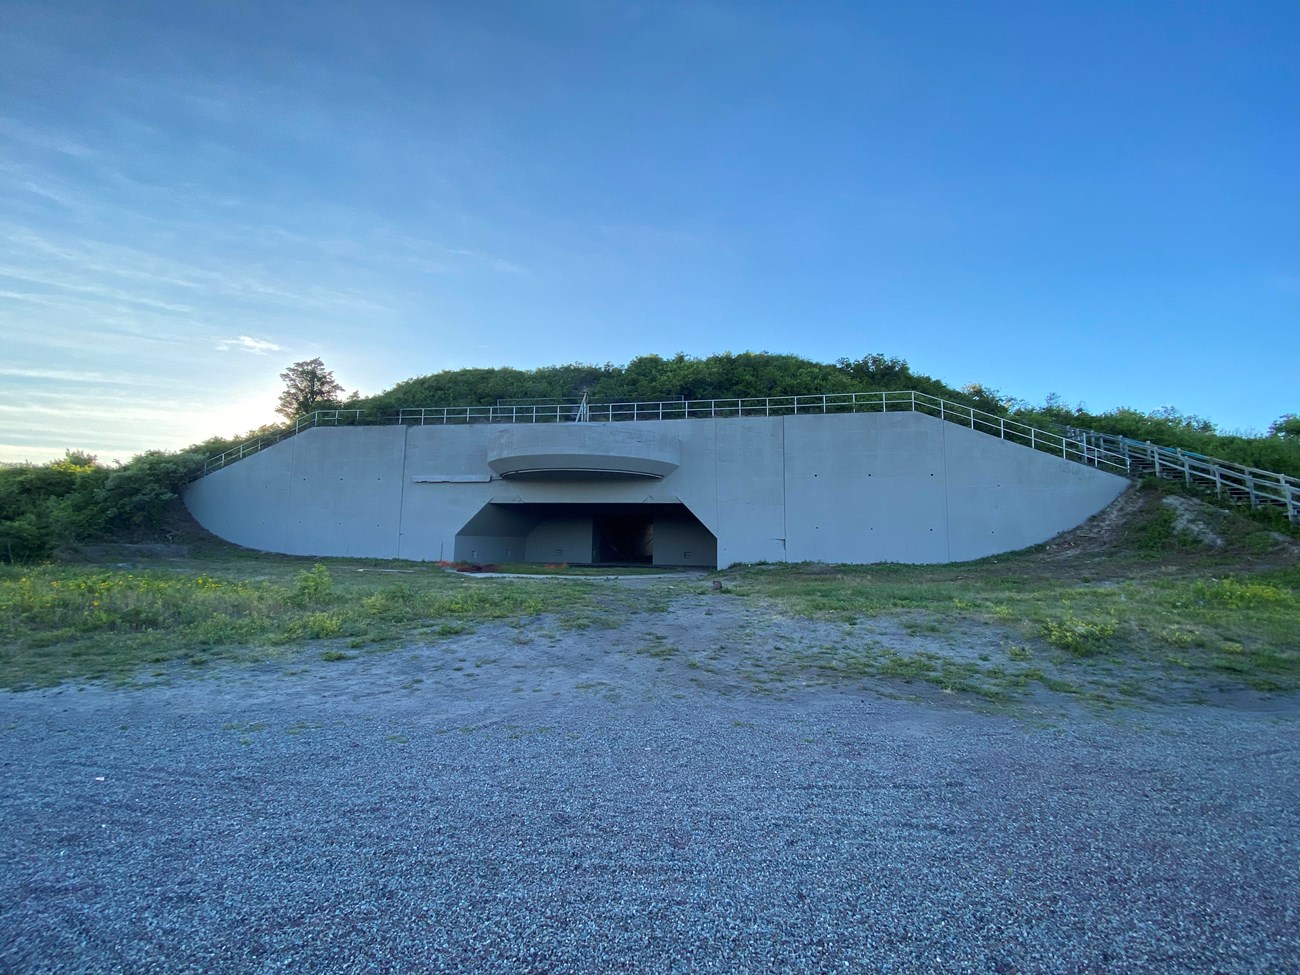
651,378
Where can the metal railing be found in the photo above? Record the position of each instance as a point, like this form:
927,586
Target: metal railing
1123,455
321,418
1068,447
1236,482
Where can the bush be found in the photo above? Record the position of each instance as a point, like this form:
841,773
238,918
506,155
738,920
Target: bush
312,587
1082,638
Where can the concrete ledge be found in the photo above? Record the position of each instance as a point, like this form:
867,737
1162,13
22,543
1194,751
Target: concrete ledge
582,451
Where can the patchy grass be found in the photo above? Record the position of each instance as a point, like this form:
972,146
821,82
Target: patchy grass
60,622
1124,607
1238,628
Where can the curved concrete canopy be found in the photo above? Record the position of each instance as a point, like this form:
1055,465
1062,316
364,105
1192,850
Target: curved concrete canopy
582,451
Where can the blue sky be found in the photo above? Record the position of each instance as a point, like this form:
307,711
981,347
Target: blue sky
1093,199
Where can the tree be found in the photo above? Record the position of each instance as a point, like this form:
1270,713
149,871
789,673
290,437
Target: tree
1286,426
308,386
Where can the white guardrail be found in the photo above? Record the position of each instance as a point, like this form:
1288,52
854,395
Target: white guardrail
321,418
1070,448
1122,455
1237,482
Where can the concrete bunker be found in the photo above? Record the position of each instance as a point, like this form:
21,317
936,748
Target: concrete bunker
882,486
591,533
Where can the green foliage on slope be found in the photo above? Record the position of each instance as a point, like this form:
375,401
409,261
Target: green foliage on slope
1278,451
651,378
76,499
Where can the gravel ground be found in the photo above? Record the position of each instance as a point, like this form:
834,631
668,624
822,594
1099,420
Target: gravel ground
572,806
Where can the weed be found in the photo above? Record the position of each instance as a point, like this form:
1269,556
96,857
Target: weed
452,629
1077,636
1236,594
70,622
1159,532
313,586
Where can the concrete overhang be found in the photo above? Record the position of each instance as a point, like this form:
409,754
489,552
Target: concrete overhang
582,451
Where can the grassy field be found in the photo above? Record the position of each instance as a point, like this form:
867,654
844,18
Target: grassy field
1112,611
1117,611
61,622
1230,630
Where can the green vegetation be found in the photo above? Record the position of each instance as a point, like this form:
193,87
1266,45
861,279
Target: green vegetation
1146,613
651,378
68,622
1234,628
308,386
74,500
1278,450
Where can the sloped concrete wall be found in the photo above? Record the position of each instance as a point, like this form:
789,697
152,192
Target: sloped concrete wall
870,487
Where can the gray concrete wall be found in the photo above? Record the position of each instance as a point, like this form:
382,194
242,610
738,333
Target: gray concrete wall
680,541
870,487
567,539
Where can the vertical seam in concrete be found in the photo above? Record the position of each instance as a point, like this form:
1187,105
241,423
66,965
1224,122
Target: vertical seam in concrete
947,519
401,498
785,500
289,503
717,508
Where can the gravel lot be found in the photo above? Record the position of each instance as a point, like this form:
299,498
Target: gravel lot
568,804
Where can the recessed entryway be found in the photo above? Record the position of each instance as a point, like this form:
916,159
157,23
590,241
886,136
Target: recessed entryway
587,534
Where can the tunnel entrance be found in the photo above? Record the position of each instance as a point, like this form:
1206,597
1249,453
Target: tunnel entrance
623,539
587,534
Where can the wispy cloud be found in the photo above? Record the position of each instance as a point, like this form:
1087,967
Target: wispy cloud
53,140
69,376
246,343
491,261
